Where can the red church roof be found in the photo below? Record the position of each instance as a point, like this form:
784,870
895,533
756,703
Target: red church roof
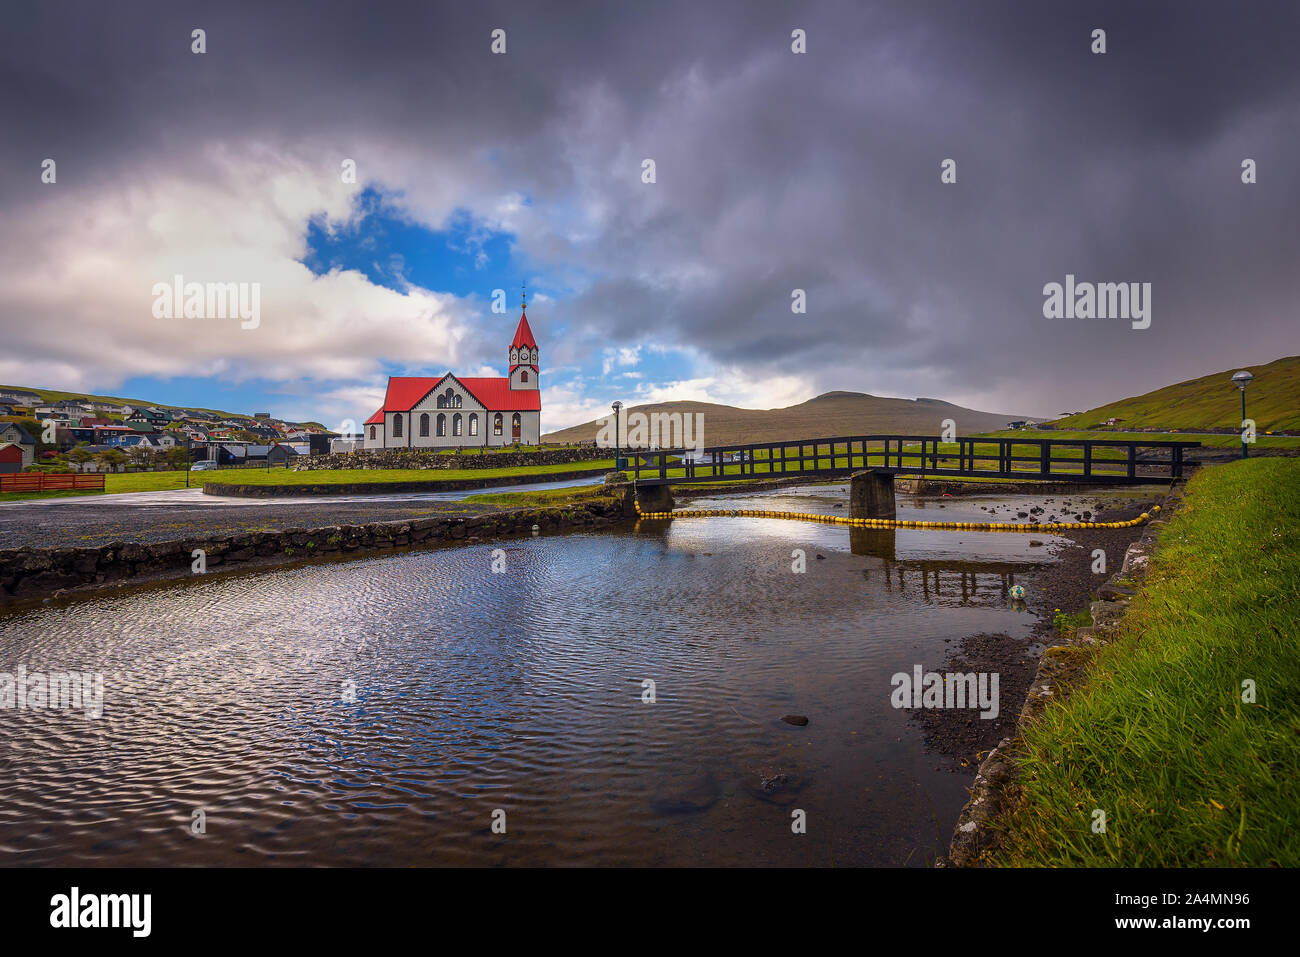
494,392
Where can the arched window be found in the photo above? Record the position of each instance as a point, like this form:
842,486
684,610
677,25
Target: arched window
458,402
397,426
496,424
514,427
440,402
455,424
424,425
523,377
442,425
473,423
372,431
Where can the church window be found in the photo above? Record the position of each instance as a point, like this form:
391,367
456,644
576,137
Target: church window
473,424
523,377
424,425
455,424
496,424
397,426
372,431
442,424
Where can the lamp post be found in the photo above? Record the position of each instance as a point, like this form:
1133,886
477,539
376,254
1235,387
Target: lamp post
618,449
1241,380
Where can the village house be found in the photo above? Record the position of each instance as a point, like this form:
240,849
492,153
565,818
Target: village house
451,411
15,434
11,457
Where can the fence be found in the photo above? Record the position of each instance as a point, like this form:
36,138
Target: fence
51,481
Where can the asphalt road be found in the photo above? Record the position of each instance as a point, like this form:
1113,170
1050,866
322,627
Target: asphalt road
92,520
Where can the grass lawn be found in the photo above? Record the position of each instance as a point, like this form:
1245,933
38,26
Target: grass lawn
348,476
19,496
116,482
1158,735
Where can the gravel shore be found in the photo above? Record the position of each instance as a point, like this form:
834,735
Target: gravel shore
92,523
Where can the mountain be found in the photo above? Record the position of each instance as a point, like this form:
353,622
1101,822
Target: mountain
829,415
1210,402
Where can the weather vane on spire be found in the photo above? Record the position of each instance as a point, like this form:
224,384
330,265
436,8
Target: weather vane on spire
524,295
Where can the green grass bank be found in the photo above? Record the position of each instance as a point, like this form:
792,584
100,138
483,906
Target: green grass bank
1157,734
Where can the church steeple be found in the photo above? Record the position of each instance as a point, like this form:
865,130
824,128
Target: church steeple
523,354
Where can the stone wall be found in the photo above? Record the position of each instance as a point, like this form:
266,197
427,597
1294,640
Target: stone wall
35,573
431,459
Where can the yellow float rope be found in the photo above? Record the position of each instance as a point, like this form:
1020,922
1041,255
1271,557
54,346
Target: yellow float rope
889,522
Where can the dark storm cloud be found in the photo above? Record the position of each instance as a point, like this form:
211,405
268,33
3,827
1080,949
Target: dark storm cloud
775,171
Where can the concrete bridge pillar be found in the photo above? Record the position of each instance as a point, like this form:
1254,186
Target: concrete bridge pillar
655,498
871,494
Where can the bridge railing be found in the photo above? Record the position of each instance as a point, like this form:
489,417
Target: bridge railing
1087,460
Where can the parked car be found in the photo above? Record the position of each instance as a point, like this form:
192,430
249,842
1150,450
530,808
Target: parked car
203,465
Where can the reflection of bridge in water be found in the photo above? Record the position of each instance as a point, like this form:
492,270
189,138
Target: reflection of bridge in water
947,578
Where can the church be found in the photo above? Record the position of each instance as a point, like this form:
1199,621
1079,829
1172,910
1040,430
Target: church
458,412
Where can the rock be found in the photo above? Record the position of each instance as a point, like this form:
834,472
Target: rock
1034,543
1113,592
797,720
688,794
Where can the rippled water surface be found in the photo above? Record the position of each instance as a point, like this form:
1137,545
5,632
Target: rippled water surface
519,691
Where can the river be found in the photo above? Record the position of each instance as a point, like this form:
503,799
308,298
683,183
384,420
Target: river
420,708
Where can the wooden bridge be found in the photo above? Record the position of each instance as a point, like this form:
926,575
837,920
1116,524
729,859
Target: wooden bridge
1095,461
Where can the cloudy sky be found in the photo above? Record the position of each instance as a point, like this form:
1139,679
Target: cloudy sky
774,171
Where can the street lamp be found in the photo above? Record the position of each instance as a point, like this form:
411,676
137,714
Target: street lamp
1241,380
618,453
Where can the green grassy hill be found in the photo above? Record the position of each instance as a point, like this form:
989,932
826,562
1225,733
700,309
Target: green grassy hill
1210,402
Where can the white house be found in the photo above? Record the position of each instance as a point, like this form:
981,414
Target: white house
452,411
347,443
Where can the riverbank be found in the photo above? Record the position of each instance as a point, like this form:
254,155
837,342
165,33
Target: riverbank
1169,738
1069,581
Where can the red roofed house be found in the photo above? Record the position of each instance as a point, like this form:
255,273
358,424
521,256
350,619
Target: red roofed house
428,412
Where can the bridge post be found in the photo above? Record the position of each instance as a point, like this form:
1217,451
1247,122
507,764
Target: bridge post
655,498
871,494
